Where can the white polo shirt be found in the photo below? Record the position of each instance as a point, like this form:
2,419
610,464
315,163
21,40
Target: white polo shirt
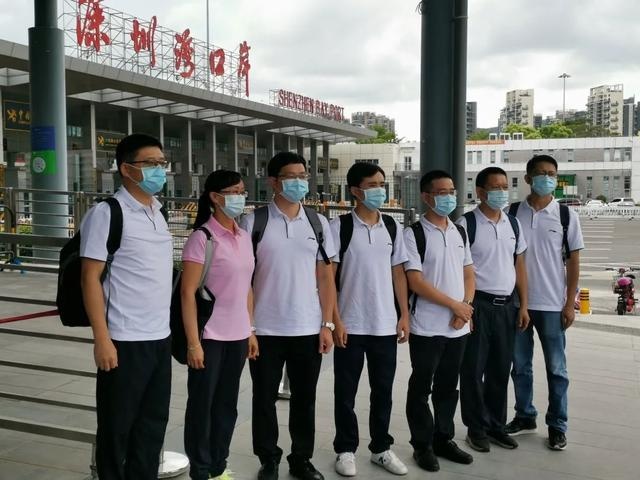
141,272
286,301
492,253
366,296
546,273
443,267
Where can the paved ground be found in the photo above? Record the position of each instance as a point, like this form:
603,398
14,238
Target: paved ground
604,366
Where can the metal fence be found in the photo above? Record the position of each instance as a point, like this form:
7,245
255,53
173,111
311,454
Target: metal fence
610,212
17,206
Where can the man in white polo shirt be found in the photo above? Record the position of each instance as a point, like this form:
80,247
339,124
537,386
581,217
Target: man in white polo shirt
497,247
553,234
129,315
443,281
369,270
294,297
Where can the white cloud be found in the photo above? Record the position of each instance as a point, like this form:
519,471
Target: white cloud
365,54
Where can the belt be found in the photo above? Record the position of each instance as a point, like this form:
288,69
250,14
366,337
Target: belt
498,300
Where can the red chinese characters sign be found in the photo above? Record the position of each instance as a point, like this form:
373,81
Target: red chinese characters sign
89,23
107,36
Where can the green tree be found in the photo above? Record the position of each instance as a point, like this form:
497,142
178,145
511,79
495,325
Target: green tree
527,131
479,135
556,130
384,136
582,128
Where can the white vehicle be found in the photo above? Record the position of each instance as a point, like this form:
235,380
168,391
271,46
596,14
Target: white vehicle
622,202
595,204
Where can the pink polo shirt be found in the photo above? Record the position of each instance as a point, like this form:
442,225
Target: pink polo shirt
229,278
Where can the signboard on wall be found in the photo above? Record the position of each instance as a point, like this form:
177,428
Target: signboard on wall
310,106
17,115
245,144
106,140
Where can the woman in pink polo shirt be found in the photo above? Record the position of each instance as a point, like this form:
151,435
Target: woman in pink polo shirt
217,359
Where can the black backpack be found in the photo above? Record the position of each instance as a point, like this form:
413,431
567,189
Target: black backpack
472,225
564,221
261,217
421,244
346,232
69,296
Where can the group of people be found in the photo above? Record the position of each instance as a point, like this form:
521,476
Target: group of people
289,285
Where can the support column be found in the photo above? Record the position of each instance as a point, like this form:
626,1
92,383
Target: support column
161,129
210,143
300,146
2,155
271,146
129,122
234,148
313,169
252,169
183,178
326,178
214,141
288,143
92,127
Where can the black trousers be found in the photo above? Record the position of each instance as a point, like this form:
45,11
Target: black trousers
212,407
347,366
484,378
303,367
435,363
132,403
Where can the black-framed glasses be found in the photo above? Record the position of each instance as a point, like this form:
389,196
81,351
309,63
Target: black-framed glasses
294,176
150,163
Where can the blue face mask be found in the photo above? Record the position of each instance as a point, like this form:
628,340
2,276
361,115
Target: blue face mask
544,184
294,189
445,204
374,198
497,199
153,179
233,205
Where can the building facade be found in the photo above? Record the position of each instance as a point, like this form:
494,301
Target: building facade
472,117
369,119
518,109
604,107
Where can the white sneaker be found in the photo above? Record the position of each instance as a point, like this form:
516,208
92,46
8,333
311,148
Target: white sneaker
283,392
346,464
390,462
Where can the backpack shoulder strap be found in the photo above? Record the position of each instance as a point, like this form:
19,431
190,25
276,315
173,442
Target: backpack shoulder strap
516,229
316,225
208,255
260,218
115,227
513,209
564,221
462,232
392,228
421,240
471,226
346,232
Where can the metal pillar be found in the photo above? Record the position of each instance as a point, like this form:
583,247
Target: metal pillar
443,88
214,147
129,122
48,122
252,181
92,128
2,155
300,146
234,147
326,180
313,169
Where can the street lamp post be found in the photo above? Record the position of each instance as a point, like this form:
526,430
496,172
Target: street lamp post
564,77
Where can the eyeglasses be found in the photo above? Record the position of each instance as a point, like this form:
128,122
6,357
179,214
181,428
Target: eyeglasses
224,193
293,176
150,163
445,192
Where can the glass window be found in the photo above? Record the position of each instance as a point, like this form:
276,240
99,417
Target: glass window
492,156
469,157
607,155
570,156
514,182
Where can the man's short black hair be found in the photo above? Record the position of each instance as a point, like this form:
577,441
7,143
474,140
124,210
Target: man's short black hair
483,176
427,178
128,147
283,159
361,170
536,159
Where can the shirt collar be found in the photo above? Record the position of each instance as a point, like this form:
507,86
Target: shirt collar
276,212
430,226
134,204
551,208
362,222
217,229
481,216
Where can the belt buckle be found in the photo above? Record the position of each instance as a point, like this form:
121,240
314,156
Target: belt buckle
499,301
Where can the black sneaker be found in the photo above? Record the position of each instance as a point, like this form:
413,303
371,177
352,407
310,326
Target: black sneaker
268,471
426,460
502,440
304,470
520,426
557,439
479,444
452,452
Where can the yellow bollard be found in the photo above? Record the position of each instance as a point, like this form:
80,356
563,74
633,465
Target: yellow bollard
585,303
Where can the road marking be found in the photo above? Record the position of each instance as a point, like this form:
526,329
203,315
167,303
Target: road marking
598,242
592,258
597,249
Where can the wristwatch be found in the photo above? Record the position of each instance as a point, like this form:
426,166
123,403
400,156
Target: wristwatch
331,326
